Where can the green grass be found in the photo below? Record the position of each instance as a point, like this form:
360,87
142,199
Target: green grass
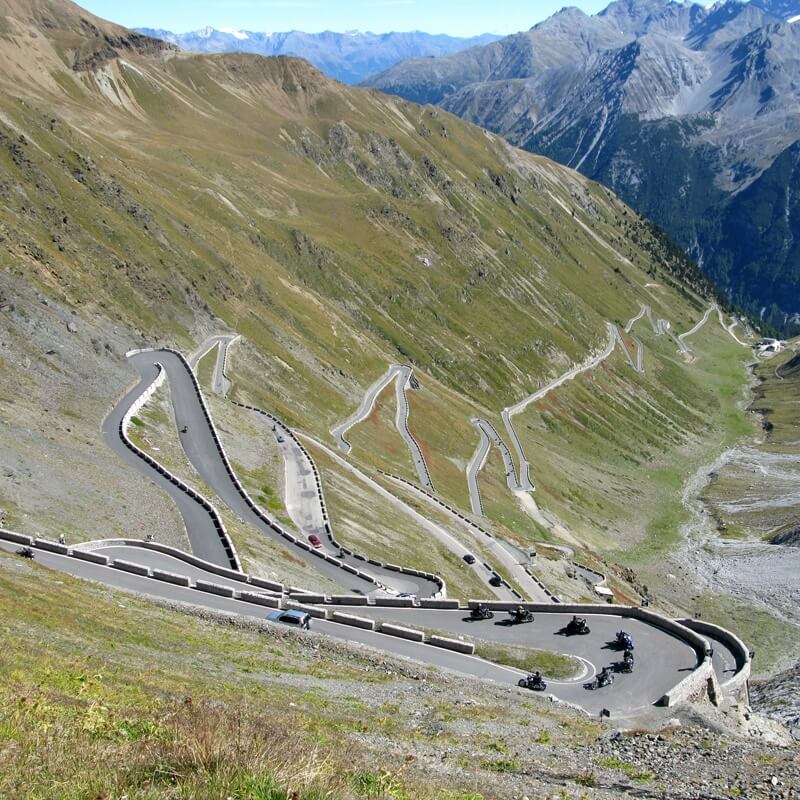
205,369
632,771
551,665
116,697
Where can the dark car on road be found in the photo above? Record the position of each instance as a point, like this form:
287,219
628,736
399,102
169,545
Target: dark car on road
496,580
297,619
469,558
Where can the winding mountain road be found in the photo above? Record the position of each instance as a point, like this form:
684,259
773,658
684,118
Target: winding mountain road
488,435
402,376
204,455
663,659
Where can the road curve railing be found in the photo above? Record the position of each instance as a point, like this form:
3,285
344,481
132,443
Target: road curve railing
433,578
124,425
701,683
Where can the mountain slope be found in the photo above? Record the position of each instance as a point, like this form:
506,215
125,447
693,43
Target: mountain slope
155,197
714,91
349,57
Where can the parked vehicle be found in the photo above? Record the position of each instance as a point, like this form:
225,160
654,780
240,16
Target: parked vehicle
469,558
293,617
315,541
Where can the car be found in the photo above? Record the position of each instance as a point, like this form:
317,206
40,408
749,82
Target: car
297,619
407,594
315,542
496,580
469,558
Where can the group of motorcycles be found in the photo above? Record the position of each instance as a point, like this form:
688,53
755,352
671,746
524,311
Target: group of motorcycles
577,626
623,641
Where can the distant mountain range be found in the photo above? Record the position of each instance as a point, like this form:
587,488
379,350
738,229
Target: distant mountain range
691,114
349,57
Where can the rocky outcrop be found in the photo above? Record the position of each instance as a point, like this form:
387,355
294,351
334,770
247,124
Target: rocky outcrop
790,537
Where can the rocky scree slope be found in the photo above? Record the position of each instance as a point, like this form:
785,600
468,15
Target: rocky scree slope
691,114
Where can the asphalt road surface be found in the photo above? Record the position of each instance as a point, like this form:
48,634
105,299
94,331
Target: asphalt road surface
662,659
201,450
203,536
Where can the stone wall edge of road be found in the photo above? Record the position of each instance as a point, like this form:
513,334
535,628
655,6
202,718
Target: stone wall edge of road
125,422
739,680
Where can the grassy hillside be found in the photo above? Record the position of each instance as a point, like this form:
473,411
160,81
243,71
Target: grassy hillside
153,197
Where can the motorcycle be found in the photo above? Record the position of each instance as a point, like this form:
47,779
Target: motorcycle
535,683
603,678
624,641
626,665
577,626
25,552
520,615
480,613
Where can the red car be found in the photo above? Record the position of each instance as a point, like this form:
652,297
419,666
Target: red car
315,542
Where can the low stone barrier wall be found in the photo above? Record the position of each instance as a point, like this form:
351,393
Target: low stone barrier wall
213,588
260,599
313,611
265,584
86,555
348,600
302,597
426,602
403,633
701,683
170,577
356,622
395,602
53,547
17,538
452,644
738,681
127,566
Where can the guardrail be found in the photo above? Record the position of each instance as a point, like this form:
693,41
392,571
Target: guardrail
125,422
699,683
438,580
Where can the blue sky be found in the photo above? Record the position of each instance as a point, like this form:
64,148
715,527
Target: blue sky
457,17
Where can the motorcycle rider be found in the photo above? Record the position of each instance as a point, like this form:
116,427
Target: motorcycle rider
604,676
479,612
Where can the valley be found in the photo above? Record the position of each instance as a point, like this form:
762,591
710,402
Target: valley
277,349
